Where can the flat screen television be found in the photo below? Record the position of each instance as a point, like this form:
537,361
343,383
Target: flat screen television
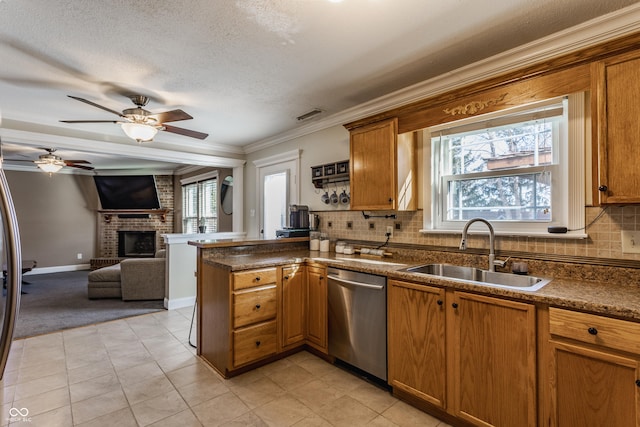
127,192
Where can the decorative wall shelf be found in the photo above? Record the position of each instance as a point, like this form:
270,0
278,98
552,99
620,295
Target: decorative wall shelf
330,173
108,213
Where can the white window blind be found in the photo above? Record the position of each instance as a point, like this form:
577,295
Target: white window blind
200,206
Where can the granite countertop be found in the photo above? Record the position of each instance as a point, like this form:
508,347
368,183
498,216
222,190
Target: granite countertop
612,299
221,243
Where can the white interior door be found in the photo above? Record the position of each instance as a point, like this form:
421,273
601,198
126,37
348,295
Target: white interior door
278,189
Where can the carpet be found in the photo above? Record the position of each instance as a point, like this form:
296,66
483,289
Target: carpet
58,301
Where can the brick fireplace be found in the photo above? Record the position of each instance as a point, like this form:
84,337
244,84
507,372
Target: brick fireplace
108,230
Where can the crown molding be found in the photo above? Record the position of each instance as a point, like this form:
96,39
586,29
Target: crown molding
614,25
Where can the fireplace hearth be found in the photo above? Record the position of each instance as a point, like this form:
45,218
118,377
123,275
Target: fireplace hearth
136,244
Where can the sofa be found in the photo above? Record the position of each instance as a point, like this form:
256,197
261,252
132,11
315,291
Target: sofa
131,279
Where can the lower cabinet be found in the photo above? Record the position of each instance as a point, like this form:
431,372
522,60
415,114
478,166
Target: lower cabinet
416,329
293,317
494,361
253,315
595,374
317,308
470,355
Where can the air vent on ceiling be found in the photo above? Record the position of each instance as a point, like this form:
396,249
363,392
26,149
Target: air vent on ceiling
310,114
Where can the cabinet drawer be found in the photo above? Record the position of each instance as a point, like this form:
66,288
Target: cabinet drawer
613,333
254,342
249,279
254,306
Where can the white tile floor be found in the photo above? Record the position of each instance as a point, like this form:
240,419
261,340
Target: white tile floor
141,371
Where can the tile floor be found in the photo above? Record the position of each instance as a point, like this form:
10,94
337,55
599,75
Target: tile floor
141,371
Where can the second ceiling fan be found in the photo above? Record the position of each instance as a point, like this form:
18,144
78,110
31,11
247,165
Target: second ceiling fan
140,124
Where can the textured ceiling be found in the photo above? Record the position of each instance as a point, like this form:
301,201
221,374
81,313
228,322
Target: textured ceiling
246,69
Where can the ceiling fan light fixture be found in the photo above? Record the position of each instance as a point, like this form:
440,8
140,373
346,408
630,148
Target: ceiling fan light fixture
49,163
139,131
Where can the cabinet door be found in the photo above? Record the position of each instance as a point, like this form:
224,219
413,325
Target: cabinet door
373,166
617,86
594,388
417,341
293,305
317,307
494,361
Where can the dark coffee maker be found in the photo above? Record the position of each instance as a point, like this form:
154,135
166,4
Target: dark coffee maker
298,216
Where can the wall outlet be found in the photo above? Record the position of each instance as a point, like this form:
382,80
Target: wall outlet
372,226
397,225
349,225
79,256
389,231
630,242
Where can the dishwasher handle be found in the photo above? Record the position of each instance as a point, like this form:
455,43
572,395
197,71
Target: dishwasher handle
359,284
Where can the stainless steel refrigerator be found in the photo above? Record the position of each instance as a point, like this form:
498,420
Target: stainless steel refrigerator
12,269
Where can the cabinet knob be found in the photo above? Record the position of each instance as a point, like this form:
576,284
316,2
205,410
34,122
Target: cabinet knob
603,188
257,306
454,305
592,331
638,383
286,277
321,277
390,199
439,302
257,278
257,343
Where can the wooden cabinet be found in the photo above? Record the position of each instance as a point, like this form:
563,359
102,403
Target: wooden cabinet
382,168
595,374
293,306
470,355
494,362
254,312
416,330
616,86
238,312
317,307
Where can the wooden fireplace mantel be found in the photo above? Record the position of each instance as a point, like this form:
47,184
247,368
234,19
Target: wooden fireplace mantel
108,213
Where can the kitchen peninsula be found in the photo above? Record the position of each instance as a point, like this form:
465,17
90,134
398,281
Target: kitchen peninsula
262,300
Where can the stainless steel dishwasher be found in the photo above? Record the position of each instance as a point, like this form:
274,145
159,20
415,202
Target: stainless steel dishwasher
358,320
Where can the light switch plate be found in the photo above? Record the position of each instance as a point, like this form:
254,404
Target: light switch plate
630,242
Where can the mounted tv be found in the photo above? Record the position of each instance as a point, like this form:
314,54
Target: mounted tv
122,192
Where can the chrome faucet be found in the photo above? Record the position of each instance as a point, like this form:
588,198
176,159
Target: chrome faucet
492,240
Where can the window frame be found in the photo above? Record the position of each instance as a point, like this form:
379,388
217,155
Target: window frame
198,180
568,176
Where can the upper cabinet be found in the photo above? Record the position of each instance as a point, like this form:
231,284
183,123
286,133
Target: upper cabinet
382,167
616,87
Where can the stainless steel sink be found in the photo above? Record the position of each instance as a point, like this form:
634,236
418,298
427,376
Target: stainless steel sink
481,277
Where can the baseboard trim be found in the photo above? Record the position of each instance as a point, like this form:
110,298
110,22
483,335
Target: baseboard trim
57,269
173,304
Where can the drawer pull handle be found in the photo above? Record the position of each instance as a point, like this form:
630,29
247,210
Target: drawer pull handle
454,305
439,302
593,331
257,343
257,306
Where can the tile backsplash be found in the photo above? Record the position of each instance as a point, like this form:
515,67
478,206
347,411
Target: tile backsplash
604,239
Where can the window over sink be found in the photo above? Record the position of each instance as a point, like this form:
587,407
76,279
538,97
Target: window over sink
522,169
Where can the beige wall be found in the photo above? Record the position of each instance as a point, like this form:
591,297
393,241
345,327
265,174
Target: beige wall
56,216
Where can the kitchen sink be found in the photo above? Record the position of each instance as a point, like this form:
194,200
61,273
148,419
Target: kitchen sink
481,277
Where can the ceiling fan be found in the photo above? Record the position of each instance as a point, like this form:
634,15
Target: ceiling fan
51,163
140,124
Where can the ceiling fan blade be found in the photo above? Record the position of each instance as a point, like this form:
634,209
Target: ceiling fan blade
69,162
89,121
171,116
86,101
88,168
185,132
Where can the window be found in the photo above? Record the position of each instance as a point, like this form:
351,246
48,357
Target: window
512,168
200,206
